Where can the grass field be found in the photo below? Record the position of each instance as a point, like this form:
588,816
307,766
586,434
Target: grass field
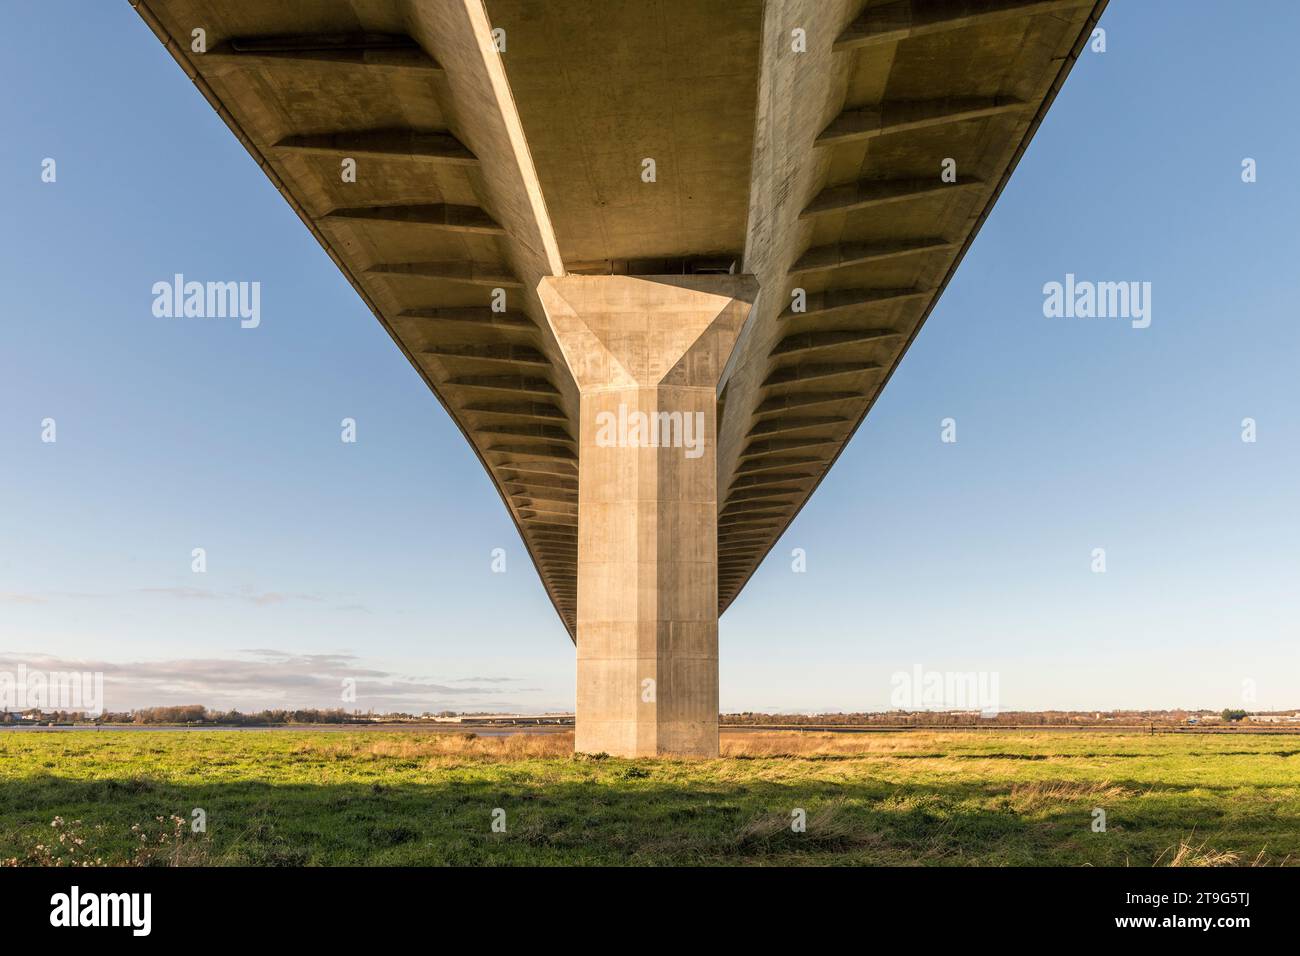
300,797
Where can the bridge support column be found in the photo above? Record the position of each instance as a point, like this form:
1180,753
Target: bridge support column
647,354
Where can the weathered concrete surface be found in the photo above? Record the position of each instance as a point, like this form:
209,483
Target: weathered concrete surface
602,85
647,353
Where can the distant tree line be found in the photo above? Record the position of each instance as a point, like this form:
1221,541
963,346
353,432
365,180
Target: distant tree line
198,714
936,718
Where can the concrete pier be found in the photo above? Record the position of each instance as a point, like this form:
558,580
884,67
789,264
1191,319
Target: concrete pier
647,354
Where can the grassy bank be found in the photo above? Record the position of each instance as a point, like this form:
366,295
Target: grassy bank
295,797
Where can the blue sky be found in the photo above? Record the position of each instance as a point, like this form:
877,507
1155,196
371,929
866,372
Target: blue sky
373,559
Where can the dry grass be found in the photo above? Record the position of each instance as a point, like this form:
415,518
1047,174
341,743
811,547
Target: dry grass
438,747
830,826
524,746
1050,794
762,743
1201,855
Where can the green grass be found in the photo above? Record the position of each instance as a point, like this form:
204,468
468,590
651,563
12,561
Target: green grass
294,797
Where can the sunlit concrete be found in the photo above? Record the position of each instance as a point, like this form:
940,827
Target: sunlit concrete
647,353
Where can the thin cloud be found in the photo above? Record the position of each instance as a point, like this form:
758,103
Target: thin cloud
486,680
13,597
258,598
188,594
265,678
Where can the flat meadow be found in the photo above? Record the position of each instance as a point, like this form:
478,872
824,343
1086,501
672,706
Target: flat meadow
302,797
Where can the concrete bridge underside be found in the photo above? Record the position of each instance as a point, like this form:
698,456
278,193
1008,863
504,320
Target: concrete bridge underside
499,224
